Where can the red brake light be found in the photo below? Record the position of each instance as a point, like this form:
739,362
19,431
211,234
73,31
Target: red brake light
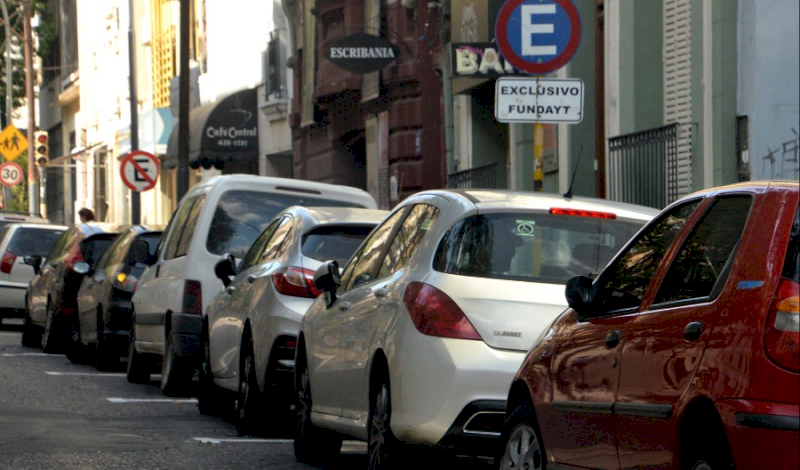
582,213
192,297
435,314
782,336
297,282
7,262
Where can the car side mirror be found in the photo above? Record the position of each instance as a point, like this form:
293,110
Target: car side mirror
35,261
327,279
579,293
139,252
225,269
82,267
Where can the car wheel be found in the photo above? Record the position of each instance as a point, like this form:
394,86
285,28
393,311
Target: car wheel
705,448
175,371
248,403
31,334
139,365
382,445
106,358
50,340
210,400
523,446
311,444
76,351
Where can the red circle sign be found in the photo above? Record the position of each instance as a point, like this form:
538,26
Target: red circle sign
10,174
139,170
538,36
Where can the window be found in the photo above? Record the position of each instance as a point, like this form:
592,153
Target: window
276,245
624,283
405,243
705,257
254,254
115,252
32,241
178,225
362,267
334,242
61,245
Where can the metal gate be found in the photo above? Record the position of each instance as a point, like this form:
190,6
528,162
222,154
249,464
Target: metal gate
643,167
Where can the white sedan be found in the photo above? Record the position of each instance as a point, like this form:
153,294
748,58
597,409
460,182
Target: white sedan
419,337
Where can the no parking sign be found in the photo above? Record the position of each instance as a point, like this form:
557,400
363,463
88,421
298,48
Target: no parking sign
139,170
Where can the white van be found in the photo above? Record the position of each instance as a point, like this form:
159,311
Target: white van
224,214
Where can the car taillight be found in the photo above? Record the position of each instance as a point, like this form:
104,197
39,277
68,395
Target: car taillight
782,336
192,297
297,282
7,262
125,282
74,257
436,314
583,213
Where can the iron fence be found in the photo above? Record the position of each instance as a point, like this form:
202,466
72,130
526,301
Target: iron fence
484,177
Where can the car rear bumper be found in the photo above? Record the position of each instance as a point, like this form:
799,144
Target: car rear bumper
476,430
762,434
12,299
185,334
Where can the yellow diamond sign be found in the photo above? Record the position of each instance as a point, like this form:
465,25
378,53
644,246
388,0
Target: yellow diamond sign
12,142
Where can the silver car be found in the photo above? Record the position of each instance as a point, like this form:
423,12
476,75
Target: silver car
250,333
18,240
419,337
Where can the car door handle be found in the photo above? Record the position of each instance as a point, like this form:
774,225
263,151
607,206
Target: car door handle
612,339
251,278
693,330
230,290
345,306
382,292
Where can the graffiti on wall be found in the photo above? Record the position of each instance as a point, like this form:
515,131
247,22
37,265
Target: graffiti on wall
782,162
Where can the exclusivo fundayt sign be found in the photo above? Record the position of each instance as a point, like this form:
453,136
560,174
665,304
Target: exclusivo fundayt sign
362,53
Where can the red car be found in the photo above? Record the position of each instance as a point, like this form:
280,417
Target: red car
684,353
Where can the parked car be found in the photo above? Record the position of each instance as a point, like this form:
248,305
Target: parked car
251,327
101,330
17,241
221,215
52,291
17,217
418,338
682,354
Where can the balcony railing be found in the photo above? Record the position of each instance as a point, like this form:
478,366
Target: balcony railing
483,177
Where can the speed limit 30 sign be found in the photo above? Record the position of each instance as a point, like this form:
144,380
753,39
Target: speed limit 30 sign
10,174
139,170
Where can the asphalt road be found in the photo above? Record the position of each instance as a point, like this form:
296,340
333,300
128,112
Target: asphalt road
55,415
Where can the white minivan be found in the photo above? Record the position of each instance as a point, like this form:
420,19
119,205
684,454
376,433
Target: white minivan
224,214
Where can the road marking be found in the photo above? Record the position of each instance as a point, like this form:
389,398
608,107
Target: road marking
99,374
152,400
215,441
9,333
33,354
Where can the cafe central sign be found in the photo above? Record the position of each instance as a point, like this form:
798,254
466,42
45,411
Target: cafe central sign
362,53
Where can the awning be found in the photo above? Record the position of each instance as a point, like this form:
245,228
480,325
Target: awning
219,132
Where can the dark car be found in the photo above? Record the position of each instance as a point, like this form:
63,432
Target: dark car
684,353
52,292
101,329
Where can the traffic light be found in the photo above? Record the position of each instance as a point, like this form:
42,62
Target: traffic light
41,149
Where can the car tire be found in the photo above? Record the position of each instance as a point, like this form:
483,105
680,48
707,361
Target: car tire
139,365
31,334
249,416
176,374
77,352
705,447
50,339
106,358
383,449
311,444
210,399
522,441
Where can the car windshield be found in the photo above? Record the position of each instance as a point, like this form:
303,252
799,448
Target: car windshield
241,216
34,241
531,247
791,265
334,243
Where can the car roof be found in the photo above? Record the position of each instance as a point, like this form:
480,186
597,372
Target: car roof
510,199
96,228
45,226
338,215
17,216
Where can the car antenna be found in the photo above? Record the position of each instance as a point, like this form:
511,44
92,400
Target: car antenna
568,194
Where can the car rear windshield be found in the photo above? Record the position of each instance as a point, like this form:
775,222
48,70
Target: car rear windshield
334,243
93,247
531,247
241,216
33,241
791,266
